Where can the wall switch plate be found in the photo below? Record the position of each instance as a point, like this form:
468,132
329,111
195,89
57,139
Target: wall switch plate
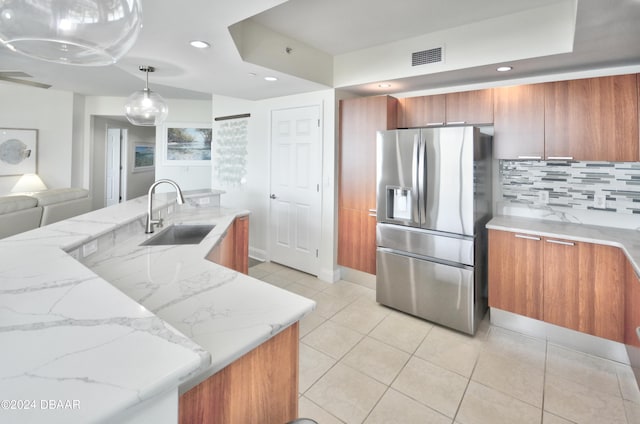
89,248
543,196
600,201
204,201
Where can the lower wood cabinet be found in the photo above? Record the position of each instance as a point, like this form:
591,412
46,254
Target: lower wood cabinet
571,284
632,306
232,250
260,387
357,240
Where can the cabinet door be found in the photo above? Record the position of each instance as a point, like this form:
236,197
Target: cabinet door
515,273
421,111
470,107
632,306
592,119
583,288
241,244
519,122
357,240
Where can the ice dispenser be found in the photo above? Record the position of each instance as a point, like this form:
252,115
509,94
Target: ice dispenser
399,203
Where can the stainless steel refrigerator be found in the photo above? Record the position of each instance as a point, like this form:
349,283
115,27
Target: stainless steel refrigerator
433,201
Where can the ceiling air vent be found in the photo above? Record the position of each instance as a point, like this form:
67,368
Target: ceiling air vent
425,57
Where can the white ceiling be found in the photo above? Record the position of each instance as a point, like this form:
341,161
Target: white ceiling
607,34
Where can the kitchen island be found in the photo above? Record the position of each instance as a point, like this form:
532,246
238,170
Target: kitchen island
116,331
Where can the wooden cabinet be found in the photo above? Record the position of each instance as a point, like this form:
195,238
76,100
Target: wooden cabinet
232,250
516,284
592,119
632,306
259,387
519,122
583,287
422,111
571,284
360,118
468,107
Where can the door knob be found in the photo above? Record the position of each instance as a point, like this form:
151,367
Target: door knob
273,196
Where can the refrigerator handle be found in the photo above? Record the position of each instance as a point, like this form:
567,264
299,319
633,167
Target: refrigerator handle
421,188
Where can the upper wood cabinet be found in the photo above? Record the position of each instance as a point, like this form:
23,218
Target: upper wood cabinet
592,119
360,118
470,107
519,122
421,111
515,285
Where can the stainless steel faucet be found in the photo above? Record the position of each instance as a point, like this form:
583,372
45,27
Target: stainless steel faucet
150,221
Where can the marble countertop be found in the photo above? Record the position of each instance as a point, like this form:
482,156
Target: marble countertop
627,240
102,343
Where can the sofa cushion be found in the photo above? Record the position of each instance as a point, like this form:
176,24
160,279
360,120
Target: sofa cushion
10,204
58,195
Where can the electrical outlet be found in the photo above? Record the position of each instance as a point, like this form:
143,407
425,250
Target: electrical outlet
600,201
89,248
543,196
204,201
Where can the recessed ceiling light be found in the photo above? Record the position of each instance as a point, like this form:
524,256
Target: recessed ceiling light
384,85
199,44
504,68
270,79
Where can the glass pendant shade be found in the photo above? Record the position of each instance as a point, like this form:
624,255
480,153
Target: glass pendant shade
77,32
144,107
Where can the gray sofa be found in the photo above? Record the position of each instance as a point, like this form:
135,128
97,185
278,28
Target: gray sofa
19,213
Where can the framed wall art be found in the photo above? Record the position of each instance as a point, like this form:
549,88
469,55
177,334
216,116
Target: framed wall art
144,157
187,144
18,151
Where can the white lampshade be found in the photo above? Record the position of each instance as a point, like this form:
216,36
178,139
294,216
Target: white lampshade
144,107
77,32
29,183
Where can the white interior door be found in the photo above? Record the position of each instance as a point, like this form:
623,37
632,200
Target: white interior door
296,159
112,180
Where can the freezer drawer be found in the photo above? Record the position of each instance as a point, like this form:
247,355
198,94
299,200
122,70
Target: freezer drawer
440,293
448,247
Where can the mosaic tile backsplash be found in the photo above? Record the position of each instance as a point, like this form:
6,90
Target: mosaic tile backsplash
599,186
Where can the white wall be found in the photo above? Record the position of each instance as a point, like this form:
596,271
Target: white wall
179,111
254,195
51,113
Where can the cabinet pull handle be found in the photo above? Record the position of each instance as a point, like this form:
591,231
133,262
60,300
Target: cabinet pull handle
373,215
521,236
560,157
433,124
373,211
529,157
638,332
564,243
456,122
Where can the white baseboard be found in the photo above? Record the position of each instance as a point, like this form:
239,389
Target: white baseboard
329,275
258,254
358,277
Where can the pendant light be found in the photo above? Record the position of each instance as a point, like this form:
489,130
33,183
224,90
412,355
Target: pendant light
77,32
144,107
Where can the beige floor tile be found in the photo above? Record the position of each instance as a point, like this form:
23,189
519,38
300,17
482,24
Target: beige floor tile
327,305
577,402
291,274
271,267
402,331
516,346
308,409
332,339
376,359
590,371
483,405
347,291
396,408
346,393
313,365
276,280
511,377
258,273
548,418
362,315
313,283
431,385
310,322
301,290
628,384
633,412
451,350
